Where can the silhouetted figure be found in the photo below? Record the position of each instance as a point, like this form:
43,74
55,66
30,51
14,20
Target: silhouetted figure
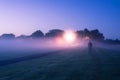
90,45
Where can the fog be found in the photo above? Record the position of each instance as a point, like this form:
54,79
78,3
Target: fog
27,44
106,46
20,47
48,44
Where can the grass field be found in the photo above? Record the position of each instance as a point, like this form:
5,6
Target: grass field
69,64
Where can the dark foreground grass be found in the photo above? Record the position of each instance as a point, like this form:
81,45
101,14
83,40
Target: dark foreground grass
74,64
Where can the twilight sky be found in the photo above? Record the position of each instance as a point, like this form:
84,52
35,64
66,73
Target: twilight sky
26,16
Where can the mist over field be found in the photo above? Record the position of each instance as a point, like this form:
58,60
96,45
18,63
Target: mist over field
45,59
59,39
19,48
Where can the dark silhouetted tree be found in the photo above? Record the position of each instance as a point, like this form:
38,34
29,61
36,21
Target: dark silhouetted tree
54,33
83,33
80,33
37,34
96,35
8,36
111,41
93,34
86,32
23,37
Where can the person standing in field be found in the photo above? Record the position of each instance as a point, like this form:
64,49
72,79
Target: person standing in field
90,45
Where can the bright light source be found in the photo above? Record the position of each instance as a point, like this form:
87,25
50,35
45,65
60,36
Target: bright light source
69,37
87,38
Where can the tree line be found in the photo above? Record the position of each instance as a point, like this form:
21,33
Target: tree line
92,34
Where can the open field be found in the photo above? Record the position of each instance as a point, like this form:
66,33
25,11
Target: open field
69,64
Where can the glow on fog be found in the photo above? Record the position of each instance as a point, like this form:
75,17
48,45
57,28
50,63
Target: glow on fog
68,38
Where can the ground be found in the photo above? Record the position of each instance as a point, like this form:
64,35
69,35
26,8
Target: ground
68,64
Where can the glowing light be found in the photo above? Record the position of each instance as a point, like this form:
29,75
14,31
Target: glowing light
69,37
87,38
59,41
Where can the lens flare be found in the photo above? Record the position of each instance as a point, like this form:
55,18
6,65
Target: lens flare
69,37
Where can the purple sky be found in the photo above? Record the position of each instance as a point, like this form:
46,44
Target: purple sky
27,16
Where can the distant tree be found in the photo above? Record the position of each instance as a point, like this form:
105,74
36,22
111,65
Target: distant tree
54,33
93,34
23,37
83,33
96,35
86,32
7,36
117,40
80,33
111,41
37,34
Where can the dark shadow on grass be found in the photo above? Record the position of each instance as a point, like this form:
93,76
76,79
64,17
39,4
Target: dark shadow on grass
25,58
